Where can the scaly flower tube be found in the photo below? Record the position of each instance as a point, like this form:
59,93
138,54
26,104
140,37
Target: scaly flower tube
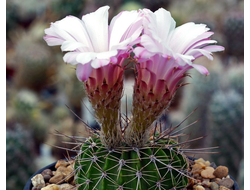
164,55
98,50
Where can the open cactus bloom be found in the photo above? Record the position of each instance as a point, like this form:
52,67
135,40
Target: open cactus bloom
162,55
99,50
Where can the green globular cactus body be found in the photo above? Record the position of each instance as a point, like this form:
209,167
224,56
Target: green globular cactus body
154,166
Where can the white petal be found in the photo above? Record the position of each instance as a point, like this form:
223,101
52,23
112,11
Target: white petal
56,31
53,40
158,24
68,29
97,63
151,45
124,28
141,52
71,45
203,70
206,51
70,58
214,48
165,23
85,57
184,34
75,28
106,55
184,59
200,52
199,39
96,24
203,43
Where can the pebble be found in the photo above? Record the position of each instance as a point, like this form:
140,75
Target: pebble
47,172
198,187
51,187
206,183
221,171
227,182
62,163
46,177
216,180
67,186
64,186
207,176
62,174
196,169
214,186
208,173
57,179
223,188
38,181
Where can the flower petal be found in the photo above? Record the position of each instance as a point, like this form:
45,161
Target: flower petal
69,29
151,45
106,55
83,71
165,24
184,34
70,58
53,40
184,59
85,57
96,24
97,63
141,52
214,48
124,29
203,70
71,46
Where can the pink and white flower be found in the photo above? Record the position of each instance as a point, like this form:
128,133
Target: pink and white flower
90,42
164,55
99,50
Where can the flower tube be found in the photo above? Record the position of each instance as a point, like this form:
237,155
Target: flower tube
164,55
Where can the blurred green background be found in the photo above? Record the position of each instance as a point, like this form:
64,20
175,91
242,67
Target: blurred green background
39,83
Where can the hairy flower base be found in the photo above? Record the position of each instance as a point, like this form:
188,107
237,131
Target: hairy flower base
104,90
136,138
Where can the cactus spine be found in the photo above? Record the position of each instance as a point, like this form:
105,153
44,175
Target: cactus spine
156,165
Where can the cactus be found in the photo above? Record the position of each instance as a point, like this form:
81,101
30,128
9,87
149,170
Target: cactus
35,65
25,104
240,178
122,155
65,7
158,165
227,116
19,157
235,78
199,95
234,33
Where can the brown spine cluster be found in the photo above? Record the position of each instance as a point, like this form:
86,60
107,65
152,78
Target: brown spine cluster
105,98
